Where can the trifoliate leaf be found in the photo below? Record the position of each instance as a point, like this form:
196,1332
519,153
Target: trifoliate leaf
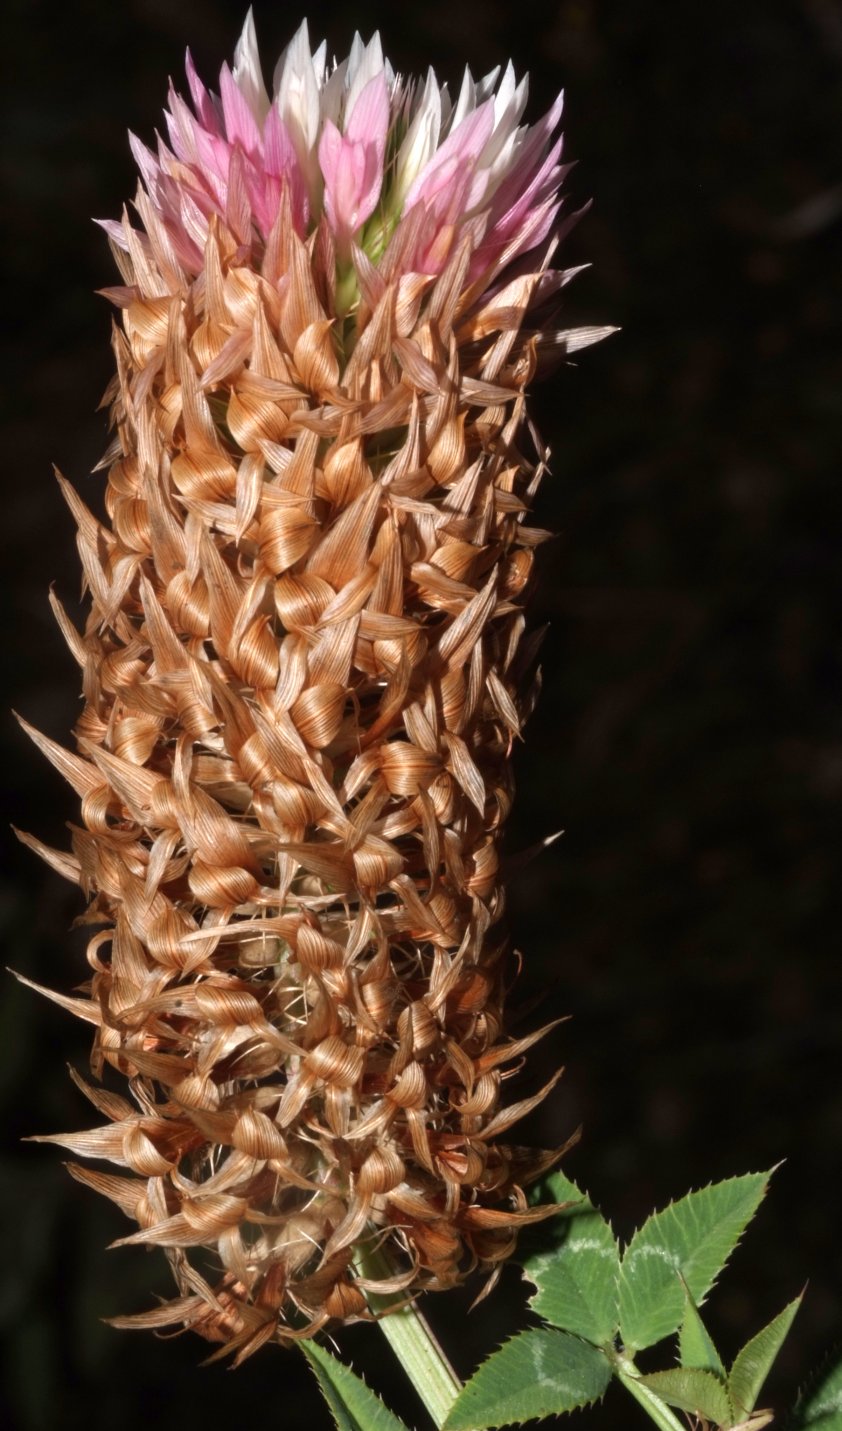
539,1373
692,1240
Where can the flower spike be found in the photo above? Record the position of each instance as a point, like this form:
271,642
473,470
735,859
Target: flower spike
303,675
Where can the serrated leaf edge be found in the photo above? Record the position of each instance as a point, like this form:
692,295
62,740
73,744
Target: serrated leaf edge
652,1377
672,1203
317,1368
689,1305
692,1192
518,1336
795,1303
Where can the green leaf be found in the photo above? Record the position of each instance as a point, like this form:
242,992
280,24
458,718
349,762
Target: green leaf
695,1348
820,1408
699,1392
557,1187
691,1240
753,1364
539,1373
353,1406
577,1280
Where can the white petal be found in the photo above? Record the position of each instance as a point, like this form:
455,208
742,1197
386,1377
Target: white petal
320,63
297,88
422,137
505,92
364,63
485,86
446,109
465,103
509,104
521,96
247,73
355,56
333,94
297,97
500,153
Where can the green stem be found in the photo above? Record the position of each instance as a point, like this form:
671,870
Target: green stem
412,1340
656,1409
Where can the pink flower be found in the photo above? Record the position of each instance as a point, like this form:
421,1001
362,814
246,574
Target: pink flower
352,163
318,145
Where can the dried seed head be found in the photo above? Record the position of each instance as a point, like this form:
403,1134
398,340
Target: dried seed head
303,674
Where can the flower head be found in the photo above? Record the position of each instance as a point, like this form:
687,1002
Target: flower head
385,161
303,674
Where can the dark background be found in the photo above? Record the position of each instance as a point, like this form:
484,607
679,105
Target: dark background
688,740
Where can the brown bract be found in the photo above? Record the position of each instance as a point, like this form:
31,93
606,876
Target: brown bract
303,673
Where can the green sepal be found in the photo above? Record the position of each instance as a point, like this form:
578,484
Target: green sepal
539,1373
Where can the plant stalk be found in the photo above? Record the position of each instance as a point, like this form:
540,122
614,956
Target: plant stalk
413,1341
656,1409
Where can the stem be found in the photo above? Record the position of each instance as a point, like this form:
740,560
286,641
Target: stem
414,1343
656,1409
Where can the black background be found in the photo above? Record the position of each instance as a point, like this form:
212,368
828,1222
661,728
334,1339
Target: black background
688,739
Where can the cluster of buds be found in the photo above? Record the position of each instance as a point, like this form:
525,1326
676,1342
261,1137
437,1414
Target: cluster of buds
303,670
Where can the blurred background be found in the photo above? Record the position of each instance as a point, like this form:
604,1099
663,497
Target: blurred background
688,740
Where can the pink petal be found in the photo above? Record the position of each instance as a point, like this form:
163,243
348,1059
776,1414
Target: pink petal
281,162
240,124
344,180
330,163
279,154
533,230
544,181
181,126
114,229
146,162
352,164
213,158
368,121
202,101
466,143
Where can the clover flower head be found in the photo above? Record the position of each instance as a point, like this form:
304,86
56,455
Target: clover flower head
387,161
304,668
